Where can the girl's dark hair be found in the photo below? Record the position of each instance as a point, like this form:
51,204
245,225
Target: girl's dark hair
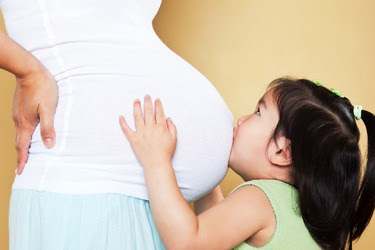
335,204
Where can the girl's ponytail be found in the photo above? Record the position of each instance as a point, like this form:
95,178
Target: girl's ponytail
366,194
336,206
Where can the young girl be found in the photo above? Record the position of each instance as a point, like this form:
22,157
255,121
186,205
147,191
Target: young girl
299,156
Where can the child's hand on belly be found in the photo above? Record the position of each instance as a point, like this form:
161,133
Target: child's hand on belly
155,138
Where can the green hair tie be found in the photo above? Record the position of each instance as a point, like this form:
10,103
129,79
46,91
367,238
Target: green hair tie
336,92
357,110
318,84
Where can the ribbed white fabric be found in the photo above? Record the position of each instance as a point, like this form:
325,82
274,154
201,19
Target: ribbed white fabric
103,55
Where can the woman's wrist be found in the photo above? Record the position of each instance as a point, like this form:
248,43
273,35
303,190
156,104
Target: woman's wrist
17,60
31,68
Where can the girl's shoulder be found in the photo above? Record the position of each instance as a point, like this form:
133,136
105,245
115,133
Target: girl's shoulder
269,186
290,229
282,197
236,218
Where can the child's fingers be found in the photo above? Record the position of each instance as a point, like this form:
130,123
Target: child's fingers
159,111
137,111
148,111
125,128
172,128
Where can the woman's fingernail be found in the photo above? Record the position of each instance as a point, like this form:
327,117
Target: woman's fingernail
49,142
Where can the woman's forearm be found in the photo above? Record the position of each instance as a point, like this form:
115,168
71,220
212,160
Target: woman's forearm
175,220
16,59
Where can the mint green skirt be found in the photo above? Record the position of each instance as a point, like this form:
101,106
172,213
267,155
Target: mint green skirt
51,221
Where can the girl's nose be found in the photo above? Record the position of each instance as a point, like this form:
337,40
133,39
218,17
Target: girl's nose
241,120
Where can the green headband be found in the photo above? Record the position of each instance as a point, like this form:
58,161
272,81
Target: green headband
357,110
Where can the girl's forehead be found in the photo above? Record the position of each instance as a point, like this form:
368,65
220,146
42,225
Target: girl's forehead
270,104
267,98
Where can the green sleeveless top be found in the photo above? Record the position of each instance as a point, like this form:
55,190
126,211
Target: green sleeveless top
290,231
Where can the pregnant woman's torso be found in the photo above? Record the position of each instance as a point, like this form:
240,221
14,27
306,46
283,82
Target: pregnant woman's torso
103,55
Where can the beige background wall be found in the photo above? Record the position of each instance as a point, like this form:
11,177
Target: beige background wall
241,46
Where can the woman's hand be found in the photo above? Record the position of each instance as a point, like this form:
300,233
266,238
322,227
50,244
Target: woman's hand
35,97
155,138
35,100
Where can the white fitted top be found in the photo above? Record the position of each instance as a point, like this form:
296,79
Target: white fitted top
103,55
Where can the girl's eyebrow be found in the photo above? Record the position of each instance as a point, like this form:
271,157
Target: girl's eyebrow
263,102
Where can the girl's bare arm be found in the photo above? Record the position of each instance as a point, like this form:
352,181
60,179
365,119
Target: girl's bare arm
239,216
236,218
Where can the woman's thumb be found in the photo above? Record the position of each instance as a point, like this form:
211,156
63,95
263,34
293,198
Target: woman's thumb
172,127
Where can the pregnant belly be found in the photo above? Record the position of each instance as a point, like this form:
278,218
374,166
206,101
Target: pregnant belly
91,148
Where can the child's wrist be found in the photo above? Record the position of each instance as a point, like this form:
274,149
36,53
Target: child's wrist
158,163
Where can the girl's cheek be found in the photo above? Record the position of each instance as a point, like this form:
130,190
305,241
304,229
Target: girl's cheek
235,150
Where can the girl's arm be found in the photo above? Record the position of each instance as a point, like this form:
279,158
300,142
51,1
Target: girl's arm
208,201
245,212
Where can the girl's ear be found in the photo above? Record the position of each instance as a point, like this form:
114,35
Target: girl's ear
279,152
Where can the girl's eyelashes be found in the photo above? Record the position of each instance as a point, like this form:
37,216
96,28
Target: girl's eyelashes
257,111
